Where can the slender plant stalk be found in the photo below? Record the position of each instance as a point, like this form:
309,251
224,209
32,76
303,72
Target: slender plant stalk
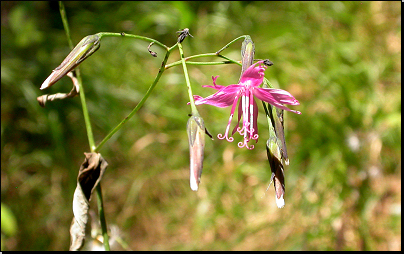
199,63
107,34
89,132
77,71
191,97
104,230
65,23
229,60
228,44
86,115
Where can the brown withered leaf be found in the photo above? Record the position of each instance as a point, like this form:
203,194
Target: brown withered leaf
60,96
90,174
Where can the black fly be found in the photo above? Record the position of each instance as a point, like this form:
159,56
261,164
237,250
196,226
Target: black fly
182,34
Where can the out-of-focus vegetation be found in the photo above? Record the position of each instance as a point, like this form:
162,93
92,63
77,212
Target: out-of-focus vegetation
341,60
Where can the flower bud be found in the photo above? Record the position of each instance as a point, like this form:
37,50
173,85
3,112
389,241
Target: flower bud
247,53
275,161
196,139
85,48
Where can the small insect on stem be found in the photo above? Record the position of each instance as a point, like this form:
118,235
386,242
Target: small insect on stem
182,34
123,34
151,52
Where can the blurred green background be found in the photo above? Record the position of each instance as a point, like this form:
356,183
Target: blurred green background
341,60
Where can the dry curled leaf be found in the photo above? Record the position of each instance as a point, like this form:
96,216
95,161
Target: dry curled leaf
60,96
90,174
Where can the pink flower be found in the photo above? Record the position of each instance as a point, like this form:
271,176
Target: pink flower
246,89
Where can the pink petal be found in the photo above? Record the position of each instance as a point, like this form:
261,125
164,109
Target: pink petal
263,95
215,86
253,74
222,98
279,95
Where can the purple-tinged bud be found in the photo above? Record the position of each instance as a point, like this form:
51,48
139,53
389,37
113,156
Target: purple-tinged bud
275,161
85,48
196,139
247,53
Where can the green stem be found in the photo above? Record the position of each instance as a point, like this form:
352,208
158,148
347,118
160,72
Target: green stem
203,63
184,66
107,34
231,60
209,54
89,130
77,71
85,113
103,222
199,63
228,44
140,104
65,23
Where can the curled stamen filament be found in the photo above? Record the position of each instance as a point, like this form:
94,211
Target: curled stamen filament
226,134
244,144
251,116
